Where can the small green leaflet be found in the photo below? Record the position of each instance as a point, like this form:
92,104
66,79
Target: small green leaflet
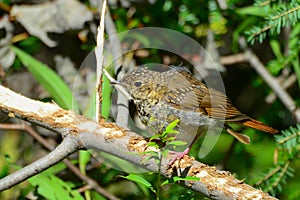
177,178
171,126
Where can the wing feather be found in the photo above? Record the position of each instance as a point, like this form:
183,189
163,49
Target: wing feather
190,94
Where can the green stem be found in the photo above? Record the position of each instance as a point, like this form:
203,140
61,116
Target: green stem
296,66
158,177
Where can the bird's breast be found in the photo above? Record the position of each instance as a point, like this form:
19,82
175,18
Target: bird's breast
160,115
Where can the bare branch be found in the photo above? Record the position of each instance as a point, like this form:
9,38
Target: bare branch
273,83
91,183
277,87
232,59
286,83
110,138
114,40
68,146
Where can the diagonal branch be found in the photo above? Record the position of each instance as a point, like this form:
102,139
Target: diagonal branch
274,84
110,138
68,146
92,184
277,87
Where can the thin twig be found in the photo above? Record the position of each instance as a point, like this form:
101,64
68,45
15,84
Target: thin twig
68,146
243,57
233,59
99,60
273,83
286,83
84,188
31,132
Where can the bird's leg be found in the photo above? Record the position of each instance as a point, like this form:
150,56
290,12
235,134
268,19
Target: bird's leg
180,155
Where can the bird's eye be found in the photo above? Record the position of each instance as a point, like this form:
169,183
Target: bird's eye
138,84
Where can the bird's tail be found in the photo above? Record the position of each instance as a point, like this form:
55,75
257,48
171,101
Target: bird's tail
252,123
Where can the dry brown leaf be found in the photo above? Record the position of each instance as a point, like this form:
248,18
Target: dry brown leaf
55,16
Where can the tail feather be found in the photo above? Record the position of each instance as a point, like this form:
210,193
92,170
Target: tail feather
252,123
240,137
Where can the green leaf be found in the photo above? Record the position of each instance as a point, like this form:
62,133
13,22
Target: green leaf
55,169
84,158
187,178
31,44
177,143
296,67
96,196
295,31
156,136
169,139
57,88
139,179
177,178
149,155
106,97
118,163
276,48
152,144
253,10
172,125
53,188
91,107
170,129
167,5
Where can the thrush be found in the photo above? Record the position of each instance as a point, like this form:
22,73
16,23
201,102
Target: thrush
162,97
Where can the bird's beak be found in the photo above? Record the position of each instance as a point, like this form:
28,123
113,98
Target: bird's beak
118,85
115,82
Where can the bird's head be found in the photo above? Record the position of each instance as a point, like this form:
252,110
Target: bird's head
140,84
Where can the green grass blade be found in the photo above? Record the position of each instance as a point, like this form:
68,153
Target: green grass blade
57,88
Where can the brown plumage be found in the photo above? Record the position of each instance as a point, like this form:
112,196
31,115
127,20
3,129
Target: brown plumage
213,103
162,97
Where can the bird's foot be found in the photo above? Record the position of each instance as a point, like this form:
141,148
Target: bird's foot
178,155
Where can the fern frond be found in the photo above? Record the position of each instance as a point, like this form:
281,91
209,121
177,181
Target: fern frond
289,139
277,176
281,15
261,3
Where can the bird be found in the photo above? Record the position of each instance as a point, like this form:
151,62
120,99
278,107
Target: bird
162,97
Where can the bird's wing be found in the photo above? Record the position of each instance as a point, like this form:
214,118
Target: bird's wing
188,93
